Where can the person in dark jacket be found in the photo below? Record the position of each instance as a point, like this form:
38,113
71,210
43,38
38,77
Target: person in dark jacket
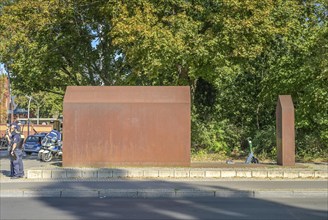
16,153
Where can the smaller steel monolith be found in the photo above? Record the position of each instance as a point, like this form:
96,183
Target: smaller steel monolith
285,129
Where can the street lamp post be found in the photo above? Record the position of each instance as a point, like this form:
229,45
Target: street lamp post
28,114
38,111
38,114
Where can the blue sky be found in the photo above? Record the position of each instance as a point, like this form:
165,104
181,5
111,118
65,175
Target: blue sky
2,68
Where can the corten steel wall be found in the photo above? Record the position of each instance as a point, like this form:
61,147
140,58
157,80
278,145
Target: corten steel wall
114,126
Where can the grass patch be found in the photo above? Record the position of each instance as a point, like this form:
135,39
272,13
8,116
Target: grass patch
204,156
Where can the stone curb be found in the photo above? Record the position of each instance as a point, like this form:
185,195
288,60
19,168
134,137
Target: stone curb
172,173
166,193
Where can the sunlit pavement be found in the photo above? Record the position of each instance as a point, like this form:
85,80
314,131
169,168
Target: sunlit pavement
153,186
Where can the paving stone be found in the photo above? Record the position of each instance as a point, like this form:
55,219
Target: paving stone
194,193
136,173
275,174
196,173
42,193
228,173
79,193
58,174
291,174
181,173
105,173
156,193
321,174
259,174
46,174
73,173
213,173
126,193
89,174
165,173
120,173
151,173
306,174
34,174
244,173
233,193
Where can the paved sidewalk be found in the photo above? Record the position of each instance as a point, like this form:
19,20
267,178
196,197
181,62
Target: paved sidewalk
213,179
166,188
35,169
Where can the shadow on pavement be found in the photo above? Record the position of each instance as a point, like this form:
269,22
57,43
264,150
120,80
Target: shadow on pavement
170,208
179,208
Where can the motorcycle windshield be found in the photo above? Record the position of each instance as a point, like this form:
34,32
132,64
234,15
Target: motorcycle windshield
53,134
47,139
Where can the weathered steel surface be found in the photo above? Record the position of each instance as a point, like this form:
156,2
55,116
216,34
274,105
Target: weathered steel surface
114,126
285,131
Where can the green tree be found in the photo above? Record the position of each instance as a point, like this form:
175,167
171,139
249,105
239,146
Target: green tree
48,104
3,93
237,56
48,45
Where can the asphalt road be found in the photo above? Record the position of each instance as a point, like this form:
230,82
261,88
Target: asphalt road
193,208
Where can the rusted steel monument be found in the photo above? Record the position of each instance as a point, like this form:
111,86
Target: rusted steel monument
129,125
285,131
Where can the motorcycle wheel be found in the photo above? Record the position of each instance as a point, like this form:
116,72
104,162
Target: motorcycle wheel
40,156
58,156
47,157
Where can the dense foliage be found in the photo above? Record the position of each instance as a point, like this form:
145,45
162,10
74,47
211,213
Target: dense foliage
3,96
236,55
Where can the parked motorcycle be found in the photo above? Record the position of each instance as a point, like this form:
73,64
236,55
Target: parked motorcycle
51,147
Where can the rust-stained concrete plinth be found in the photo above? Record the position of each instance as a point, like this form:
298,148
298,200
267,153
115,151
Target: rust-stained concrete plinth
285,129
118,126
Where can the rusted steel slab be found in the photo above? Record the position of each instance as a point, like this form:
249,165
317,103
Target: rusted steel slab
285,131
115,126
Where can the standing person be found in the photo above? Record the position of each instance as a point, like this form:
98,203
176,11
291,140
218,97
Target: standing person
9,134
16,153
